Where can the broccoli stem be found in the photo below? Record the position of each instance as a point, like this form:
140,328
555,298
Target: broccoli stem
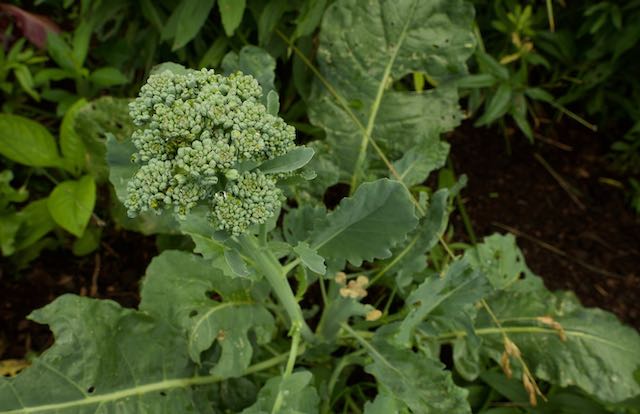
270,267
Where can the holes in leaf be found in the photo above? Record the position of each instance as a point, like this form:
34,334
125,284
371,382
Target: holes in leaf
213,295
91,389
162,393
193,313
413,82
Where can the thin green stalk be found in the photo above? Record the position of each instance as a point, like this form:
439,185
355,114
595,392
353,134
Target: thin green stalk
574,116
352,404
466,220
552,22
335,375
323,292
290,266
291,362
269,266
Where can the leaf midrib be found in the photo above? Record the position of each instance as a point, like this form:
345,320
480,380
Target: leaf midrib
375,107
118,395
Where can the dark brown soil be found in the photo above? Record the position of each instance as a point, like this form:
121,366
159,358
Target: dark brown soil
590,244
112,273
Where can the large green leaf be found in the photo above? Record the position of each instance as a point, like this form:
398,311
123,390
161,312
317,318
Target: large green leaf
418,381
364,47
93,123
367,225
27,142
500,259
208,307
416,164
459,288
105,359
593,351
570,344
71,204
299,223
383,404
410,258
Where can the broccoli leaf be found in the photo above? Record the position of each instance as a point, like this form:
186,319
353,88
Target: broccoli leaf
416,164
383,404
365,47
310,258
561,341
300,397
594,342
410,259
367,225
208,307
105,358
291,161
500,259
419,381
459,288
93,122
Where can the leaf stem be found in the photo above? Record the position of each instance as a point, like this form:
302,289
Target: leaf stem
291,362
342,364
269,266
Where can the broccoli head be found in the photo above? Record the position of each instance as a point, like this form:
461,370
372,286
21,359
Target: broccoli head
198,136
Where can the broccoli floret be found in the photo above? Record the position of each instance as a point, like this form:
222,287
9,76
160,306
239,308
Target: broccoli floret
195,129
250,200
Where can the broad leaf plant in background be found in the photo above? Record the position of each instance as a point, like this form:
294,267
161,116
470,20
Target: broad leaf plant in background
277,303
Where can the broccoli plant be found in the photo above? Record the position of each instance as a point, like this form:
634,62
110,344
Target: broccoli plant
202,137
291,307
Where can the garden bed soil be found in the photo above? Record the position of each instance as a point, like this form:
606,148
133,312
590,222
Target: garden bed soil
592,250
587,242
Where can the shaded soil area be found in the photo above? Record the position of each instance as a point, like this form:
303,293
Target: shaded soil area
112,273
561,199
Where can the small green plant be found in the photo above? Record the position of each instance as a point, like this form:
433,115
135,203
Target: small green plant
69,204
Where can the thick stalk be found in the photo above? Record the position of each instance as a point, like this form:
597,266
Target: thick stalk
269,266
